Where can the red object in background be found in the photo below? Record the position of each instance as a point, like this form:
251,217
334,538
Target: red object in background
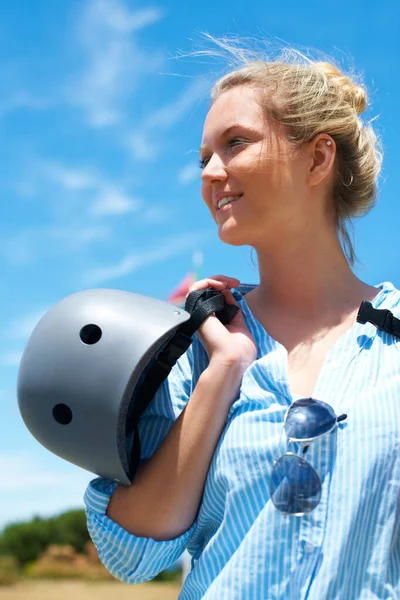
178,295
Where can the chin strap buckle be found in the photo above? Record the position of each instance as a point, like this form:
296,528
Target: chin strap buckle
383,319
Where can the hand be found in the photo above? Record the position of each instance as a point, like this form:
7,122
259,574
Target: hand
226,343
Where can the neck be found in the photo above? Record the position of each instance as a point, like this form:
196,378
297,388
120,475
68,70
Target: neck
303,277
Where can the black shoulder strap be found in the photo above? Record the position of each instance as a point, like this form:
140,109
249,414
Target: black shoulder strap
383,319
199,304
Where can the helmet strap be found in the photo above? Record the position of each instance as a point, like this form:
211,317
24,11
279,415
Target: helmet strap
199,304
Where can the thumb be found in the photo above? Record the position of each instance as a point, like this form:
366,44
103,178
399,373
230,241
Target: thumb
229,297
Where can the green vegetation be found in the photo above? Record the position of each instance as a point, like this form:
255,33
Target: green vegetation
55,548
9,570
26,541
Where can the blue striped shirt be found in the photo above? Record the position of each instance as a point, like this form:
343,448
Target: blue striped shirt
242,547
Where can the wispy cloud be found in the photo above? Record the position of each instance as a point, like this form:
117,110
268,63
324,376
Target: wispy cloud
141,147
72,192
19,471
21,328
27,245
144,142
28,487
11,358
19,249
114,60
112,201
76,191
170,114
107,197
189,173
24,189
76,238
22,100
132,262
156,215
70,178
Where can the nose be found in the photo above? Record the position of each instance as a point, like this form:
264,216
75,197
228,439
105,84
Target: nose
214,170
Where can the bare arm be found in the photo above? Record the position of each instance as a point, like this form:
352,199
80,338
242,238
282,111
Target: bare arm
164,498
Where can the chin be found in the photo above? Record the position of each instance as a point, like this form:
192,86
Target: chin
233,236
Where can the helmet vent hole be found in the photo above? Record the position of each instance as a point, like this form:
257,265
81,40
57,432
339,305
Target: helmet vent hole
90,334
62,414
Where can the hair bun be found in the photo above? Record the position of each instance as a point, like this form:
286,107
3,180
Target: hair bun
354,94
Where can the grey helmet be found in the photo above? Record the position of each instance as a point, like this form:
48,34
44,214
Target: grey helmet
92,365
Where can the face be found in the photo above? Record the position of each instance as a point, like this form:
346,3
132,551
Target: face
247,156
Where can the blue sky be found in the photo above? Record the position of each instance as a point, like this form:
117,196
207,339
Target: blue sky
100,125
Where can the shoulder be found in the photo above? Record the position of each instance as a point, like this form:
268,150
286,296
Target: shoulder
243,289
241,292
388,297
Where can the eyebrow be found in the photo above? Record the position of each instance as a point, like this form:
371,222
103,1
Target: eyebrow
227,131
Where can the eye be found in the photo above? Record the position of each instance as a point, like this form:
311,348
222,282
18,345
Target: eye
231,144
236,142
203,162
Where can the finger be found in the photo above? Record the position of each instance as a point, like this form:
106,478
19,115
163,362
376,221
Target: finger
205,283
215,280
232,281
230,298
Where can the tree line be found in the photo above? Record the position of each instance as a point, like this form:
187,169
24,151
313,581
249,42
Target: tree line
27,540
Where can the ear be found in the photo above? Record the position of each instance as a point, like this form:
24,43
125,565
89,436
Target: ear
322,152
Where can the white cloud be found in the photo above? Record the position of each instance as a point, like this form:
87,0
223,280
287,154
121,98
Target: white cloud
190,172
11,358
102,274
25,189
141,142
18,249
21,328
28,488
164,251
114,202
19,471
26,246
113,15
141,147
171,113
109,198
155,215
76,238
22,100
114,59
69,178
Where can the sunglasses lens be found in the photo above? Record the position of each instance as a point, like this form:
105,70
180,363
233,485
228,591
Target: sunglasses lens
295,487
308,418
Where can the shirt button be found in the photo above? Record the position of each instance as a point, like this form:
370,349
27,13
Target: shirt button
309,548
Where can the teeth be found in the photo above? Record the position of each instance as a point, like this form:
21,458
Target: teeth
227,199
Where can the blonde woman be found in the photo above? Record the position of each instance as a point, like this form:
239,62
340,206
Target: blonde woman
272,450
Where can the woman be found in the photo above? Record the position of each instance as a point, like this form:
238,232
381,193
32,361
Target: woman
286,161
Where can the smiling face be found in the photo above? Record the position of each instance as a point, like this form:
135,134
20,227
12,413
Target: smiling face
244,153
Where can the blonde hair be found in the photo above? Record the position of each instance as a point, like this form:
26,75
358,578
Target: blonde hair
310,97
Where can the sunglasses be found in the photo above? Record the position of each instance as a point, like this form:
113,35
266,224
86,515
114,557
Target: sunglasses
295,486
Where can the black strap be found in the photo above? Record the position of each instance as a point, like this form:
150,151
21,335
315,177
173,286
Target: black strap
199,304
383,319
202,303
